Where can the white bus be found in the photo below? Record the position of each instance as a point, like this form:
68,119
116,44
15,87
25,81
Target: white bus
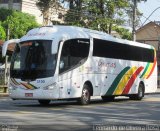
66,62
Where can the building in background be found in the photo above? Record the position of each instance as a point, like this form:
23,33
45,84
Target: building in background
29,6
26,6
150,34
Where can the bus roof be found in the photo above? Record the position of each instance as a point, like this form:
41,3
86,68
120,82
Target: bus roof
60,32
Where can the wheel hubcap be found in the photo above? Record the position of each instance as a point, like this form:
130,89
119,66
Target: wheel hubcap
140,93
85,95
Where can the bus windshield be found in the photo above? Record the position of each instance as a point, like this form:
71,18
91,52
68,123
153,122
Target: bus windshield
33,59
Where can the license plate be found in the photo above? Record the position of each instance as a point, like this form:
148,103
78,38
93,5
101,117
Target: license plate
28,94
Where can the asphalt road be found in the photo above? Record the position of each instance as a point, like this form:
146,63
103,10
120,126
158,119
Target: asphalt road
122,114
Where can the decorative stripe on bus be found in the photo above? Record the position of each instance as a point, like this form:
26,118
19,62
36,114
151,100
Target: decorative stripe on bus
145,70
124,81
132,80
149,68
28,86
13,85
148,71
119,89
153,67
14,81
116,81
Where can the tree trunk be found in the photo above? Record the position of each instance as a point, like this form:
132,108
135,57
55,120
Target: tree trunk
101,7
110,28
46,18
71,4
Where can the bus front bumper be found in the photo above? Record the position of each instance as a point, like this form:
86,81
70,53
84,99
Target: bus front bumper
21,94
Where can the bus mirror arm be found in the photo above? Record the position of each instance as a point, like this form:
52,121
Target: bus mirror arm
6,43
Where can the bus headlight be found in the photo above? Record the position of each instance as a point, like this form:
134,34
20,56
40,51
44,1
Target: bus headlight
50,87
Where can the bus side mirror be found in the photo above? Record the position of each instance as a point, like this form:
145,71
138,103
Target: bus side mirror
61,65
5,45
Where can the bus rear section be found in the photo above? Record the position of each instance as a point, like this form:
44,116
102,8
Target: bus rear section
127,68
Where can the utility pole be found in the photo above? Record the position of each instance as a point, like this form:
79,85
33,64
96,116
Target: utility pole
6,63
10,6
6,71
8,32
134,21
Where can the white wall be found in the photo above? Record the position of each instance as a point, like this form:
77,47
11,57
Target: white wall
29,6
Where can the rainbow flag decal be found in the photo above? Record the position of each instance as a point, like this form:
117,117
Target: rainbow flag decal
126,78
25,85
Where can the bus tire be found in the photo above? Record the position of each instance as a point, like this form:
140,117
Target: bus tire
140,93
86,95
44,102
107,98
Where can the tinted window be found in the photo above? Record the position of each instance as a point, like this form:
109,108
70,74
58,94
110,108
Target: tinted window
33,59
109,49
74,53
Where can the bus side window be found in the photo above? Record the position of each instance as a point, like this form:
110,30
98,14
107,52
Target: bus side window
73,52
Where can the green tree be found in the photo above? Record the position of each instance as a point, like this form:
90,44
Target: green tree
96,14
124,33
45,7
103,15
4,13
2,33
75,14
17,22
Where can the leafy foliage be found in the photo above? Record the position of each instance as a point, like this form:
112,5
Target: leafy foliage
101,15
45,6
124,33
96,14
17,22
2,33
4,13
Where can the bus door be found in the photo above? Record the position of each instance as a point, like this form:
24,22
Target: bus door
73,54
64,82
64,77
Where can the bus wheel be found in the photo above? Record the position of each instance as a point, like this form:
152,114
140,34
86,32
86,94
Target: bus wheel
86,95
107,98
44,102
140,93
